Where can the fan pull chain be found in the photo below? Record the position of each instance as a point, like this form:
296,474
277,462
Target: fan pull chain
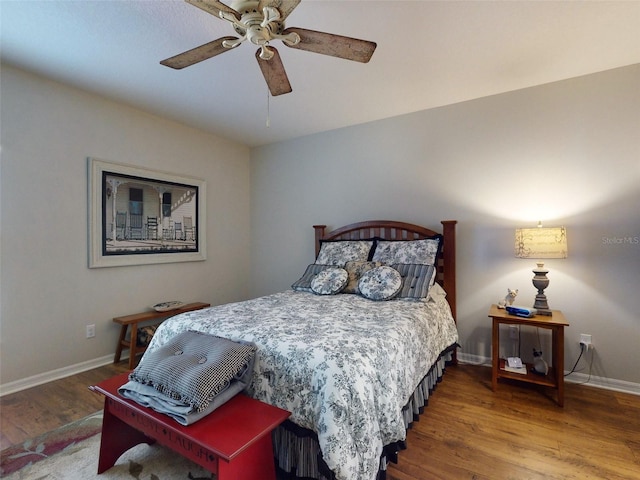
268,110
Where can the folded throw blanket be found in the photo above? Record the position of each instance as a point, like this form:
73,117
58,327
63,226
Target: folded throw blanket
191,375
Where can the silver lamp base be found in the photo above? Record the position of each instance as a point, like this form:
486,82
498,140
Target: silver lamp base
540,281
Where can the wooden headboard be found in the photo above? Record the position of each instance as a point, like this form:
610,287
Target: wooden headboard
390,230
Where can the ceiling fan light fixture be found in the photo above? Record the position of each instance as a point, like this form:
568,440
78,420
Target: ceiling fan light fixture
233,43
270,15
290,39
261,21
266,53
245,6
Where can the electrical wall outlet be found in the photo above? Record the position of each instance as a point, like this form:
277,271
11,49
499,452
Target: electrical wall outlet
513,332
91,331
585,339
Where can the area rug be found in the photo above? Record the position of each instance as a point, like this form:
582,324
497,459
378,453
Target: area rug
71,452
36,449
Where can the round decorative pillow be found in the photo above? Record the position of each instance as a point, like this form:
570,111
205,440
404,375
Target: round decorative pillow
380,283
329,281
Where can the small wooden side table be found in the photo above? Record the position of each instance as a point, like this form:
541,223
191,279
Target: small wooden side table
555,376
132,321
233,442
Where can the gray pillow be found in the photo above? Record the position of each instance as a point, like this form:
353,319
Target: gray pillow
194,367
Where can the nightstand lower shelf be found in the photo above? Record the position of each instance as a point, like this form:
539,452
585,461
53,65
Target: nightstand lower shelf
548,380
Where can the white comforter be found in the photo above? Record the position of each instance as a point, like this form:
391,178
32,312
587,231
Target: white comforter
343,365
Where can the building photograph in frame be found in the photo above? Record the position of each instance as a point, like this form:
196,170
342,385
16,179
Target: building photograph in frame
140,216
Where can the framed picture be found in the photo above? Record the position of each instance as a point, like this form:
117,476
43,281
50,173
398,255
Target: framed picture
139,216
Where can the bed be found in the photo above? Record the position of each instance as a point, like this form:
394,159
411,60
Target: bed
354,371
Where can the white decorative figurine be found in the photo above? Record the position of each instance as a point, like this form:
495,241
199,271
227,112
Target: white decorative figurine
509,298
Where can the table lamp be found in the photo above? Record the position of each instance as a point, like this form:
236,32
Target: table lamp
541,243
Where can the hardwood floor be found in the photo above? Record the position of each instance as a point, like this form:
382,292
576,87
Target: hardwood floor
518,432
466,432
32,412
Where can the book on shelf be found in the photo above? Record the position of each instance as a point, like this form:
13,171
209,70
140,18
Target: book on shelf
522,370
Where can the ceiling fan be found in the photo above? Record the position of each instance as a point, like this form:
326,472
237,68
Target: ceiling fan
260,22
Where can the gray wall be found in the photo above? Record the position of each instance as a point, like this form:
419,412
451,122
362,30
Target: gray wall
566,153
48,294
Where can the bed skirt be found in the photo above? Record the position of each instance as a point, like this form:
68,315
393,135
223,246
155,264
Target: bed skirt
297,452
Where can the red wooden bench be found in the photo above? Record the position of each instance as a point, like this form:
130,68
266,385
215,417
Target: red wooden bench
233,442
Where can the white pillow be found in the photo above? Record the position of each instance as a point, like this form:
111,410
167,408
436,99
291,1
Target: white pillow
436,291
380,283
423,252
329,281
340,252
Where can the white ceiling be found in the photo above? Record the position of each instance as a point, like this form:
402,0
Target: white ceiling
429,54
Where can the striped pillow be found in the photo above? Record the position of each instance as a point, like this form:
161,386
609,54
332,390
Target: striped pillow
303,284
416,279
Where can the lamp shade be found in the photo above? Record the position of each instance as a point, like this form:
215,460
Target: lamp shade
541,242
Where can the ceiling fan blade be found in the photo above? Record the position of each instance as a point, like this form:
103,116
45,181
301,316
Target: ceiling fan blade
214,7
333,45
284,6
274,73
198,54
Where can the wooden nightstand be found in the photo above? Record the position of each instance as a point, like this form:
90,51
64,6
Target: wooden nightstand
556,323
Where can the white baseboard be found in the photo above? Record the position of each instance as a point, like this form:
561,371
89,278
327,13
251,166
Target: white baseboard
579,378
603,382
35,380
470,359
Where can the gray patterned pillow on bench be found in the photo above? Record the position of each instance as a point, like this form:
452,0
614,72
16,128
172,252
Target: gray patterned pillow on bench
194,367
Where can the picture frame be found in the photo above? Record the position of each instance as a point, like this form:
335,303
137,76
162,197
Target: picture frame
139,216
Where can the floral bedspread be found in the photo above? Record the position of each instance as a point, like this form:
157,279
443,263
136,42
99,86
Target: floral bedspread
342,364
